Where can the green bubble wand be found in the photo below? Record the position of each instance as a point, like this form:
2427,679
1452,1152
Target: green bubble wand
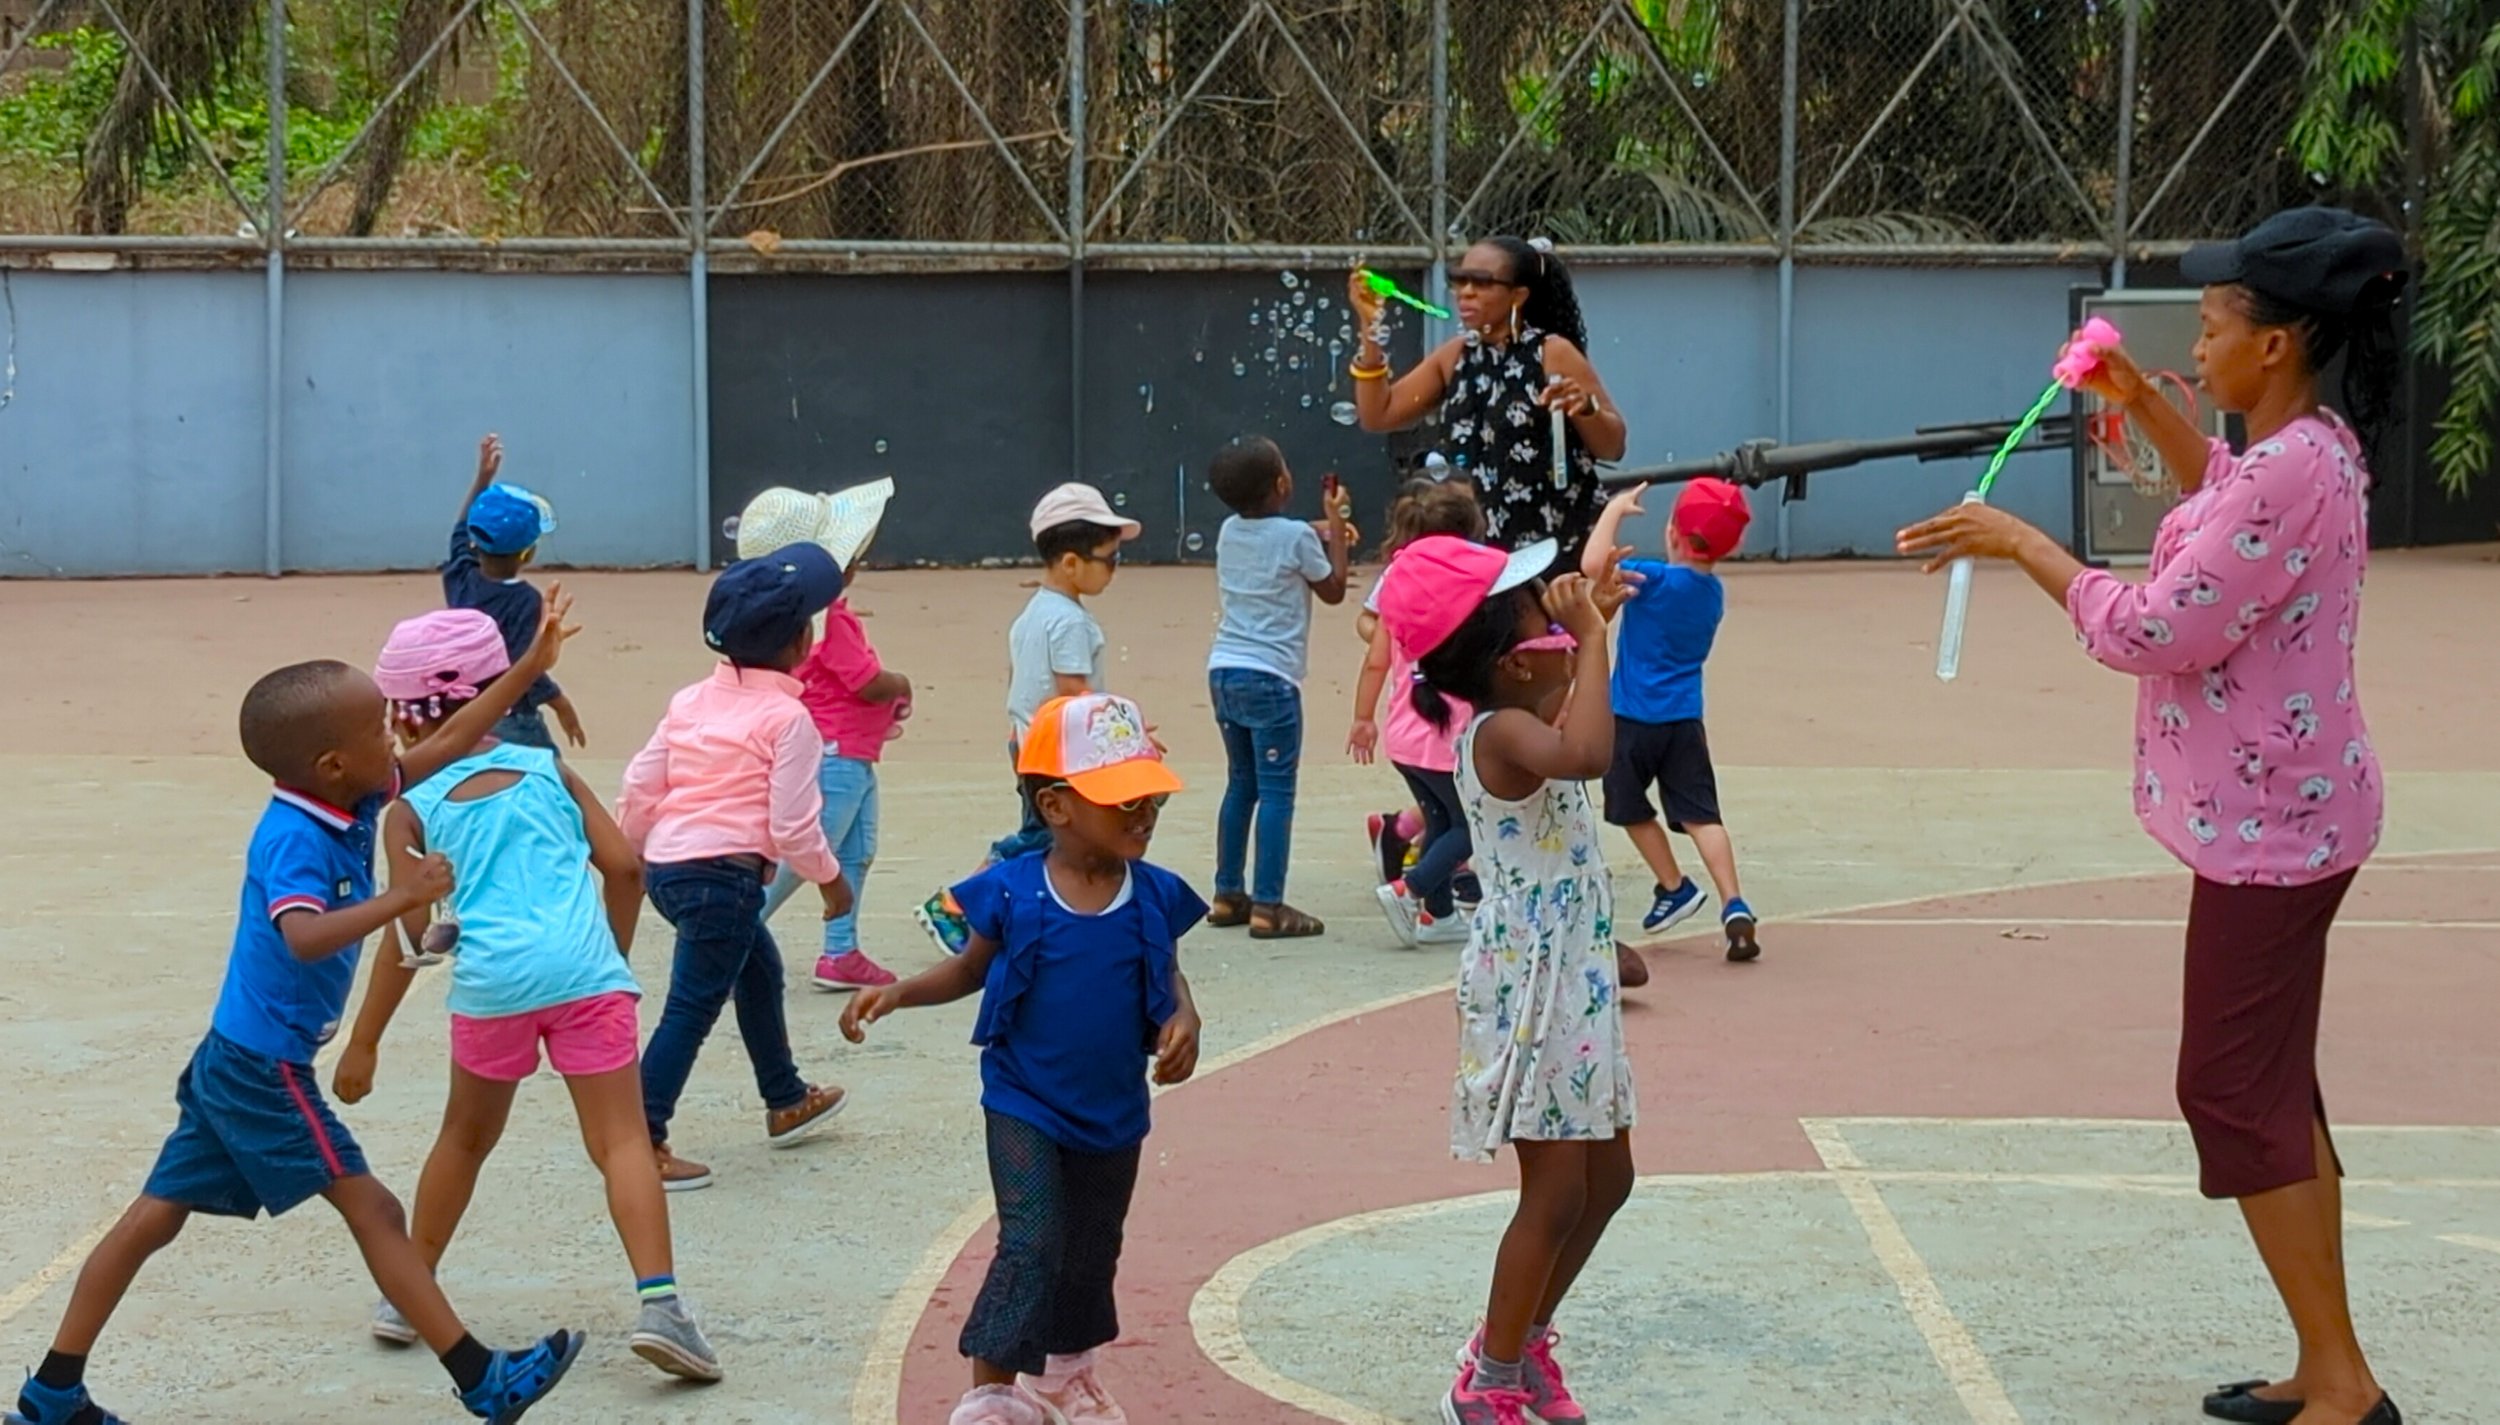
1383,287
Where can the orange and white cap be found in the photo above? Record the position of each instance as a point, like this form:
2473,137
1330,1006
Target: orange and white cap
1096,743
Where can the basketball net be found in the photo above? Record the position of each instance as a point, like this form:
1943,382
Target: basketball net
2127,449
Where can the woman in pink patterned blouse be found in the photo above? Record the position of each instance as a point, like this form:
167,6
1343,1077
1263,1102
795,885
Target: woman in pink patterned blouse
2253,765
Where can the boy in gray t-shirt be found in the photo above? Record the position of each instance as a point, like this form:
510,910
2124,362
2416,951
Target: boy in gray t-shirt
1267,567
1054,649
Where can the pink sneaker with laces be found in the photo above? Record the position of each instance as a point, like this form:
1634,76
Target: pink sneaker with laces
1549,1400
1071,1389
852,971
1466,1405
998,1405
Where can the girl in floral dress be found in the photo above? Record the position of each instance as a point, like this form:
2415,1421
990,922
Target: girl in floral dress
1541,1058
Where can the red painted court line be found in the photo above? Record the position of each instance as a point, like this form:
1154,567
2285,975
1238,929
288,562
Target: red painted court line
1838,1021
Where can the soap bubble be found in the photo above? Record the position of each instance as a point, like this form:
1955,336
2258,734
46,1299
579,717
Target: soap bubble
1343,413
1268,356
1238,368
729,528
1301,298
1120,500
1306,400
881,447
1289,279
1195,542
1293,363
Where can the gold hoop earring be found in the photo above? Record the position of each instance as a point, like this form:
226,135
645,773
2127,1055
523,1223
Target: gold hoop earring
1514,323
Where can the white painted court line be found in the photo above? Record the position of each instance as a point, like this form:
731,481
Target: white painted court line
2468,1239
2078,922
27,1292
1965,1366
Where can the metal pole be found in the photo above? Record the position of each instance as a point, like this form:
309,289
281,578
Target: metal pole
1076,247
1788,247
2120,217
2414,456
1437,276
699,283
273,239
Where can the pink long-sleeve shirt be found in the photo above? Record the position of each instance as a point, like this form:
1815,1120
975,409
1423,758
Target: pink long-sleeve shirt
731,771
2253,764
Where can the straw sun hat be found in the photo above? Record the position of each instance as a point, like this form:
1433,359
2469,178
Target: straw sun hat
843,522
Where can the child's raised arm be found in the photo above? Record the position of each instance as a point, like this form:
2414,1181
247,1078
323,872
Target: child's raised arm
614,858
1609,531
1516,752
943,983
461,732
489,464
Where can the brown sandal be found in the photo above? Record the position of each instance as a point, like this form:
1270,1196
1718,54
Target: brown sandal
1283,922
1230,908
1631,971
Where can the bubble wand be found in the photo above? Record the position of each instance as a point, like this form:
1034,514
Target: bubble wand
1383,287
2075,363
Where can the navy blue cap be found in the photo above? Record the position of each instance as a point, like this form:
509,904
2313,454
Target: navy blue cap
758,606
2321,259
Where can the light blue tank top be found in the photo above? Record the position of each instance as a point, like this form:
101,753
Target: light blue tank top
533,930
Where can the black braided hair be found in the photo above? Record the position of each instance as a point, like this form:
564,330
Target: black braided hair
1462,665
1552,307
2366,339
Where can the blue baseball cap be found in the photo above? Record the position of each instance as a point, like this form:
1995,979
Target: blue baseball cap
506,519
757,606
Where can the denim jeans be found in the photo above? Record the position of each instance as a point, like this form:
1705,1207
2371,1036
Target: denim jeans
1031,834
1445,840
724,953
1260,716
850,822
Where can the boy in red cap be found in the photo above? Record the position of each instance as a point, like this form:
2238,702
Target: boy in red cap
1668,628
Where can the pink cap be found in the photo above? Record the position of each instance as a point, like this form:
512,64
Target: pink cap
449,653
1438,581
1712,514
1077,501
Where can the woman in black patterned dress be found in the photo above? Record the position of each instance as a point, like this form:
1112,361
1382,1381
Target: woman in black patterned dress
1523,355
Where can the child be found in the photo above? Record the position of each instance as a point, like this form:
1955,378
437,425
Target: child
1541,1058
1668,627
1267,567
1075,952
255,1135
494,539
857,702
540,956
1420,903
725,789
1054,650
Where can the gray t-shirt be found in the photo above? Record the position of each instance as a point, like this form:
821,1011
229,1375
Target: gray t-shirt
1053,635
1263,573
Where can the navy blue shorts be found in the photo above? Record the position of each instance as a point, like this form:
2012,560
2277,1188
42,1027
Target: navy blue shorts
255,1136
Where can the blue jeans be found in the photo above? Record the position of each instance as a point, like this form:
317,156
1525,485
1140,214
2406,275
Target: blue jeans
724,953
1031,834
850,822
1260,716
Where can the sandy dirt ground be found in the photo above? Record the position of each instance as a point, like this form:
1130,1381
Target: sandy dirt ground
833,1276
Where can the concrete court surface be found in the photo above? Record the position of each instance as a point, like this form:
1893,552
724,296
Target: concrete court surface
1917,1165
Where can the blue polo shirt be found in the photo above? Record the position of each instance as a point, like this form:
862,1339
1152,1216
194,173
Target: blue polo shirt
514,604
305,855
1668,628
1073,1003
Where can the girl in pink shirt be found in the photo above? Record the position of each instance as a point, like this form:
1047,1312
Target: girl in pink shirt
2253,765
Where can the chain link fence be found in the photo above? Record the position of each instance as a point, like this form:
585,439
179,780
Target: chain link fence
979,130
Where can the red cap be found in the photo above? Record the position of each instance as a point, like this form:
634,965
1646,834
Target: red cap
1711,515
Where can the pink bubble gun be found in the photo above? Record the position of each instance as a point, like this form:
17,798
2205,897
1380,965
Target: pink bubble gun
2080,358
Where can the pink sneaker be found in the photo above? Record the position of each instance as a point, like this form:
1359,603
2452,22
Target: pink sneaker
1466,1405
1549,1399
1072,1389
853,971
998,1405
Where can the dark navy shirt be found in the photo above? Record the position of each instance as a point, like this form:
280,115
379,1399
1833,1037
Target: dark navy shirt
1668,628
305,855
1073,1003
514,605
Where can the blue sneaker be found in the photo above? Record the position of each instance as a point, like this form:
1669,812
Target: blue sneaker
945,923
40,1404
520,1379
1737,920
1673,907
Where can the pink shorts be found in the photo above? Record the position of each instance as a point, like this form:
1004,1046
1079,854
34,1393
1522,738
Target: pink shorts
597,1035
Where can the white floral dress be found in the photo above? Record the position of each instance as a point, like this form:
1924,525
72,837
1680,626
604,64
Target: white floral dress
1540,1018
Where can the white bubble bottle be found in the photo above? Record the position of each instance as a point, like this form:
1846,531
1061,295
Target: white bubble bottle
1956,610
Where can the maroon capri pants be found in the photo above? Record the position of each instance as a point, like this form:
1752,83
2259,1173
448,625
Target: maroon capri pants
2248,1038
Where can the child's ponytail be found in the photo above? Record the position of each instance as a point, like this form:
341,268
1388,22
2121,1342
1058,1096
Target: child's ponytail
1462,665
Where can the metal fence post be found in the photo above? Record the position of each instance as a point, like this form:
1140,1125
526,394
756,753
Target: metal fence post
1076,244
699,282
2122,195
1787,341
273,242
1437,276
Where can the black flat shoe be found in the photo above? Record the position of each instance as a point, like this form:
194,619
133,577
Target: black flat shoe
2237,1402
2385,1414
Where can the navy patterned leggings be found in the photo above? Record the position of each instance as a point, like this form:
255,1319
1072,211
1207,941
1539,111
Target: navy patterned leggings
1061,1214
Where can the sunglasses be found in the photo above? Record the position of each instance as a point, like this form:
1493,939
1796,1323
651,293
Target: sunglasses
1556,639
1131,807
1108,561
1470,277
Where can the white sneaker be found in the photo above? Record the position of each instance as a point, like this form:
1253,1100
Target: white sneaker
1451,929
392,1328
1401,909
1000,1405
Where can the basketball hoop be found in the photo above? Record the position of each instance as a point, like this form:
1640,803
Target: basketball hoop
2127,449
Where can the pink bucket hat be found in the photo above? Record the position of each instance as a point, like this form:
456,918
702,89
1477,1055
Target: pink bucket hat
1436,582
447,654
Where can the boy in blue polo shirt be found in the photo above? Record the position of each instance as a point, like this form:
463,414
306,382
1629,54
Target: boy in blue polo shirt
1076,955
494,539
255,1134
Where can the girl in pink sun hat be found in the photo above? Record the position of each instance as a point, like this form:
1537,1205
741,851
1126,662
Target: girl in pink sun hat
1541,1061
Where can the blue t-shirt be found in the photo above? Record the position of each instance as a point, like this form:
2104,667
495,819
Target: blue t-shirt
1668,628
1263,573
1073,1003
305,855
533,927
513,604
